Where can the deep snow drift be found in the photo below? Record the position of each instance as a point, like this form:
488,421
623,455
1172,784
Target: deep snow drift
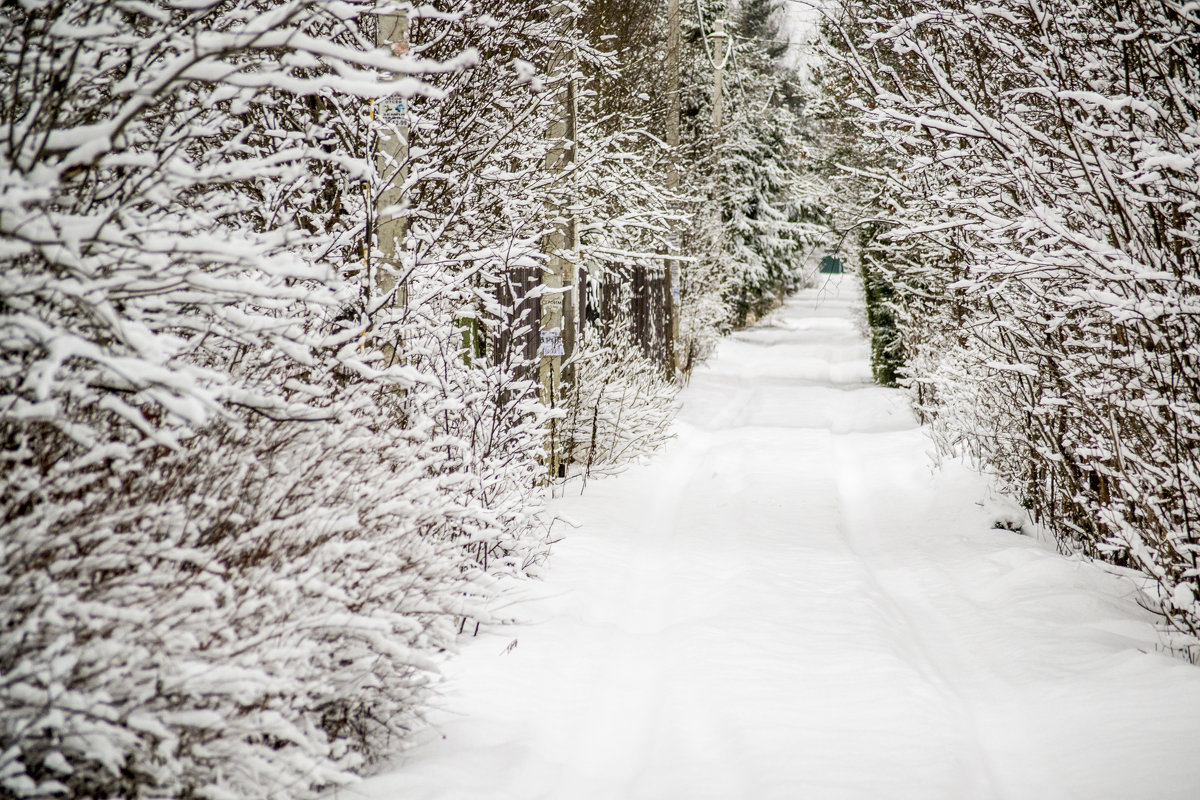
789,602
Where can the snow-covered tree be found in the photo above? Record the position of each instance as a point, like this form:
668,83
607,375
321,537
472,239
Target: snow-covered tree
756,212
1043,225
247,500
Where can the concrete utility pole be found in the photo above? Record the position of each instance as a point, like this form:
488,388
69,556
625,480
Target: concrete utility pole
673,112
560,278
391,34
718,38
674,277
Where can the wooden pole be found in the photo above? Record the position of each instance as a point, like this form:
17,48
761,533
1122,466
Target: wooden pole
719,39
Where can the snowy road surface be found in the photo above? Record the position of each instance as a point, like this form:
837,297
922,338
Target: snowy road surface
788,602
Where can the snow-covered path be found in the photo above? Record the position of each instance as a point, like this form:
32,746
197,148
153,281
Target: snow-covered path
788,602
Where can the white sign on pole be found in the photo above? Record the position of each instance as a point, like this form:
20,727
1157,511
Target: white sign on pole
393,110
552,304
552,343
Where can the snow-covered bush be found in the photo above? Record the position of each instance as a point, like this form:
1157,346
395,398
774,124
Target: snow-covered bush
620,404
478,205
250,615
1049,189
246,497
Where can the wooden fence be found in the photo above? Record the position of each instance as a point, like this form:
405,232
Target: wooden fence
638,300
628,299
519,337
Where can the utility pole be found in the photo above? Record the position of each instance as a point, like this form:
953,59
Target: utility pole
673,111
559,298
391,34
674,277
718,38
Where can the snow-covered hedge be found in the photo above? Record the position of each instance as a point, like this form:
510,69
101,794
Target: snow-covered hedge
1043,207
247,498
619,404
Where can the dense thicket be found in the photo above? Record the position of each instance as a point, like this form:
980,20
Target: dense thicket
247,495
258,469
1038,226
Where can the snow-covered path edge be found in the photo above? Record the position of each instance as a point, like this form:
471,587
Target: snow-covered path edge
788,602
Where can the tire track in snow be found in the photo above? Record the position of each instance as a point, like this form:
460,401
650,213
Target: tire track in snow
931,655
617,749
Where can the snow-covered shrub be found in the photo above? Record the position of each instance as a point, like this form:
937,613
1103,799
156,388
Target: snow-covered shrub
249,615
477,204
246,498
483,418
1049,182
490,205
619,404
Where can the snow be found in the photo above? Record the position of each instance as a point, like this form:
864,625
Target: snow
790,602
